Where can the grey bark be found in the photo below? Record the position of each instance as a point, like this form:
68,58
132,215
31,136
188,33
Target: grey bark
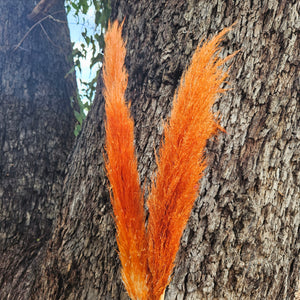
36,135
242,240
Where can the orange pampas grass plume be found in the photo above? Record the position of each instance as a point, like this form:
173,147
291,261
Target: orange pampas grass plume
181,160
147,256
121,165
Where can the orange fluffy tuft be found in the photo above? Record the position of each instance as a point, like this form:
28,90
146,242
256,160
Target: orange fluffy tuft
121,165
182,161
147,258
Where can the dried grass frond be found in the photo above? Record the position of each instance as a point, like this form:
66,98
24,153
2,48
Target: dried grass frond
121,165
182,160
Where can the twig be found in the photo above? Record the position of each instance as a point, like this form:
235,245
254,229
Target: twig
48,37
57,20
33,26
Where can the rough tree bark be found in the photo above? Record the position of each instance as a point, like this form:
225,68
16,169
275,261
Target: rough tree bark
242,240
36,135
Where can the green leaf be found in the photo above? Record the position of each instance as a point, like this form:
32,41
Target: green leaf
78,117
74,6
72,70
77,129
68,8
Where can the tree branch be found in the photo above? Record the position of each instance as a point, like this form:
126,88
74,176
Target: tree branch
41,9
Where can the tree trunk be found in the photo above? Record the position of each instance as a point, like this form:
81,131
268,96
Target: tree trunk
242,240
36,135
